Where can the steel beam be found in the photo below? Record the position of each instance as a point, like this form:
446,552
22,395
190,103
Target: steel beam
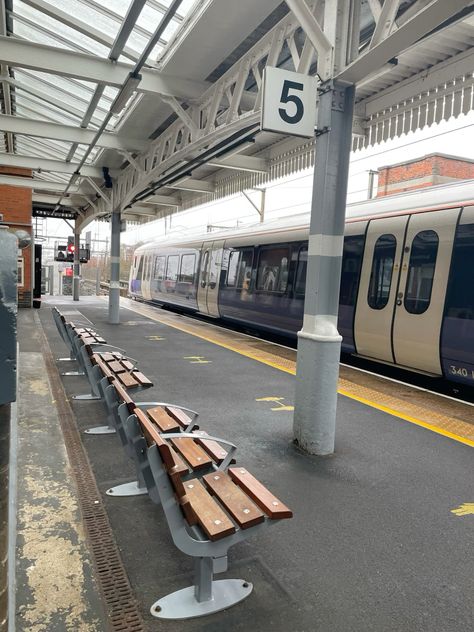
59,61
67,133
43,164
37,185
114,290
189,184
241,163
163,200
413,30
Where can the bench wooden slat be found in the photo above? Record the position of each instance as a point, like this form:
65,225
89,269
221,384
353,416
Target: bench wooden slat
211,518
214,449
127,364
237,503
106,356
116,366
192,453
165,422
173,463
142,379
127,380
102,365
181,417
270,504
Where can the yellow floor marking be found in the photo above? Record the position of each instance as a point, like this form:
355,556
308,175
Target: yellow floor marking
464,509
289,366
197,360
278,400
155,338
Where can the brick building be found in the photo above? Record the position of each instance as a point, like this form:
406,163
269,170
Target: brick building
423,172
16,208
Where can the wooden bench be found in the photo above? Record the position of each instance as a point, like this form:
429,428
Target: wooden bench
207,510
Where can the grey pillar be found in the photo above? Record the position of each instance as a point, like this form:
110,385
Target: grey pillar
114,291
76,266
8,351
319,342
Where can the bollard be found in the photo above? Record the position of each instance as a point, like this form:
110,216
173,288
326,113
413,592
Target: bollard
8,344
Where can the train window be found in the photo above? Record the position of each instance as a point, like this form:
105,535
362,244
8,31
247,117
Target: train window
240,268
460,299
150,264
186,272
381,273
424,250
159,272
233,268
204,264
140,268
272,272
300,283
172,268
351,264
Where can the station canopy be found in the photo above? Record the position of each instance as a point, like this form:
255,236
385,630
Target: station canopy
152,106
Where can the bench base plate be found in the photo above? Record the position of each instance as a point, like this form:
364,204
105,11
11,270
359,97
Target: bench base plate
127,489
86,397
182,604
73,373
98,430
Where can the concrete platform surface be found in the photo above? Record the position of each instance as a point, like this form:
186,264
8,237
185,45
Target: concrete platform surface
374,543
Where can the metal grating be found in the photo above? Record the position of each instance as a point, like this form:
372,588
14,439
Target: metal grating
120,603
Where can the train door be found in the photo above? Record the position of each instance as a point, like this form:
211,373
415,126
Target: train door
422,290
209,274
402,289
146,279
378,287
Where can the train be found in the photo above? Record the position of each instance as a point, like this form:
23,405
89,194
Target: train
407,279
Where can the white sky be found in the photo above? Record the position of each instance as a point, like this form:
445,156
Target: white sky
292,195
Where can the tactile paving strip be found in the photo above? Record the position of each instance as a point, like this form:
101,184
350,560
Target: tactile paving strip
429,411
120,602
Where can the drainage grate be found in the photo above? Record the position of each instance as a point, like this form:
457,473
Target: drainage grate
122,608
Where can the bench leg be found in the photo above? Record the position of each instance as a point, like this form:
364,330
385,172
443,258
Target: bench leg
127,489
205,597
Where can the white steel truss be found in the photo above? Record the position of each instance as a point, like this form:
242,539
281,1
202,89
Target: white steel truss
230,108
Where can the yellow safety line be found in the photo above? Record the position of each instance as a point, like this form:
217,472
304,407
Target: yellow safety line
343,392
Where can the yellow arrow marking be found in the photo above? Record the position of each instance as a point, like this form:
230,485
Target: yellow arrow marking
278,400
464,509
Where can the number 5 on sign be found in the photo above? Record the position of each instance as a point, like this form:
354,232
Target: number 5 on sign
289,102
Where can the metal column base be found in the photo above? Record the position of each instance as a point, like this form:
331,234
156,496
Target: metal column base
126,489
182,604
85,397
73,373
99,430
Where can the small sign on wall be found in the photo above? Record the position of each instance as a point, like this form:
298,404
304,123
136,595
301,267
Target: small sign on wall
289,102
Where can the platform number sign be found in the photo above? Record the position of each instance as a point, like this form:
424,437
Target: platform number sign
289,102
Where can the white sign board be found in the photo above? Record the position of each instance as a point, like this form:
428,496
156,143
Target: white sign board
289,102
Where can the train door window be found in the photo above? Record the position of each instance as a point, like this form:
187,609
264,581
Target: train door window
300,283
140,268
381,273
351,265
172,268
245,268
424,250
186,271
460,298
204,264
160,264
272,272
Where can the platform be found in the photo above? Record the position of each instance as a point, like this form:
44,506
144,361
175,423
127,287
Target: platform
373,545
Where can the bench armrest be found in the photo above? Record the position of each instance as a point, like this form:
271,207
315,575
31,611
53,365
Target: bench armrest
189,435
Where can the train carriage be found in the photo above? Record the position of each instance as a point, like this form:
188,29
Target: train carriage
407,280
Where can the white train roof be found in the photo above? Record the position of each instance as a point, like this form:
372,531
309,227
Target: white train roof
435,197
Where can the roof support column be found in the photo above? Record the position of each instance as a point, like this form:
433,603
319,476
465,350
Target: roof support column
76,279
319,342
114,290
